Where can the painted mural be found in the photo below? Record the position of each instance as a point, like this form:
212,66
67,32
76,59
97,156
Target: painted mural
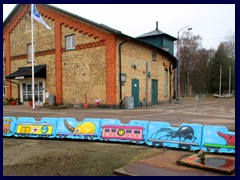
70,128
192,137
29,127
134,132
9,126
186,136
218,139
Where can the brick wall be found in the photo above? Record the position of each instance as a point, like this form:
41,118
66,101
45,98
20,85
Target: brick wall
20,37
89,69
134,54
92,68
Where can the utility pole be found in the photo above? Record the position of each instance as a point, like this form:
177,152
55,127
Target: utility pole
178,93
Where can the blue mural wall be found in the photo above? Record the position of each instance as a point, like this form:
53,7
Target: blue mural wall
70,128
134,132
186,136
218,139
29,127
192,137
9,126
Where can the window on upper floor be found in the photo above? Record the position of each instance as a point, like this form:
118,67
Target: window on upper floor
154,55
70,42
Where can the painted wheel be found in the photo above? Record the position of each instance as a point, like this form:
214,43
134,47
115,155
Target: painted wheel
216,150
188,147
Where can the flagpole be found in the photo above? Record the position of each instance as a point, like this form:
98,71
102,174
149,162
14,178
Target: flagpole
33,93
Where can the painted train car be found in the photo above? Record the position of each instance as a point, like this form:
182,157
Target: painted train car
192,137
29,127
87,129
134,132
218,139
131,133
34,129
186,136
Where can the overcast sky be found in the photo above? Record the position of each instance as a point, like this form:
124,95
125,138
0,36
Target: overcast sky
213,22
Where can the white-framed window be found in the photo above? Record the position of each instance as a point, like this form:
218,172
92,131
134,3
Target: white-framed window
29,49
70,42
39,90
154,55
165,83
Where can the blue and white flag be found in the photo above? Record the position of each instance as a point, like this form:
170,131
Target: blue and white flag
35,14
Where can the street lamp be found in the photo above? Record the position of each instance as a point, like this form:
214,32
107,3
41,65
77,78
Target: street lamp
178,67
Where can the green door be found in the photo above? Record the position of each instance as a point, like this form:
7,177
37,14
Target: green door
135,92
154,91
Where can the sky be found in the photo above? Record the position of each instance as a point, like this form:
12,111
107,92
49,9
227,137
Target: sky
213,22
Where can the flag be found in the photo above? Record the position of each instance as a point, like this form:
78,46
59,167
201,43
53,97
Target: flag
35,14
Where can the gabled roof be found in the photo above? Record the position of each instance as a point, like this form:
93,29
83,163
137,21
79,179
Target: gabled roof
101,26
104,27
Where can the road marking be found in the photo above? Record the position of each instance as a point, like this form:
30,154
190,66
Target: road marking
173,111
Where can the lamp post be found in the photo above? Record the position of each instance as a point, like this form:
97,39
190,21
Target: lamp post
179,64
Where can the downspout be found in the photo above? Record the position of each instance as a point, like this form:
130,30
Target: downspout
120,72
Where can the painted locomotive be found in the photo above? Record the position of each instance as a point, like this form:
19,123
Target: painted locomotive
193,137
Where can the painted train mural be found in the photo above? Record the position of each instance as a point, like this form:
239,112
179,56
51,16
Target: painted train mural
192,137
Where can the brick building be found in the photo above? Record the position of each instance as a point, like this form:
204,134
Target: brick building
79,57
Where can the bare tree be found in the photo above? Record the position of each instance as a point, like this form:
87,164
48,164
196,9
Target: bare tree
189,46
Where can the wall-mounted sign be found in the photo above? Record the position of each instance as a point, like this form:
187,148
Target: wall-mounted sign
19,77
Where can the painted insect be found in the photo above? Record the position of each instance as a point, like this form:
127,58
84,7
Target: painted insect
185,132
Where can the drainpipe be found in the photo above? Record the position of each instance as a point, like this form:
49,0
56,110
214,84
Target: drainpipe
120,72
147,84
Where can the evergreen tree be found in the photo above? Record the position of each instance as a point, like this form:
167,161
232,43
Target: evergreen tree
223,59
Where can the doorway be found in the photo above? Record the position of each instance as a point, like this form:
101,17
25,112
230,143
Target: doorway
154,91
135,92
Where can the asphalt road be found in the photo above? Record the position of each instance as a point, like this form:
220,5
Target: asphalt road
204,111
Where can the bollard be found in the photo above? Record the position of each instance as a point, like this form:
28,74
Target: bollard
196,97
201,154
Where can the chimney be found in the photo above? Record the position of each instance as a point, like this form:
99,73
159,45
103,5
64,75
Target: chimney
156,25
